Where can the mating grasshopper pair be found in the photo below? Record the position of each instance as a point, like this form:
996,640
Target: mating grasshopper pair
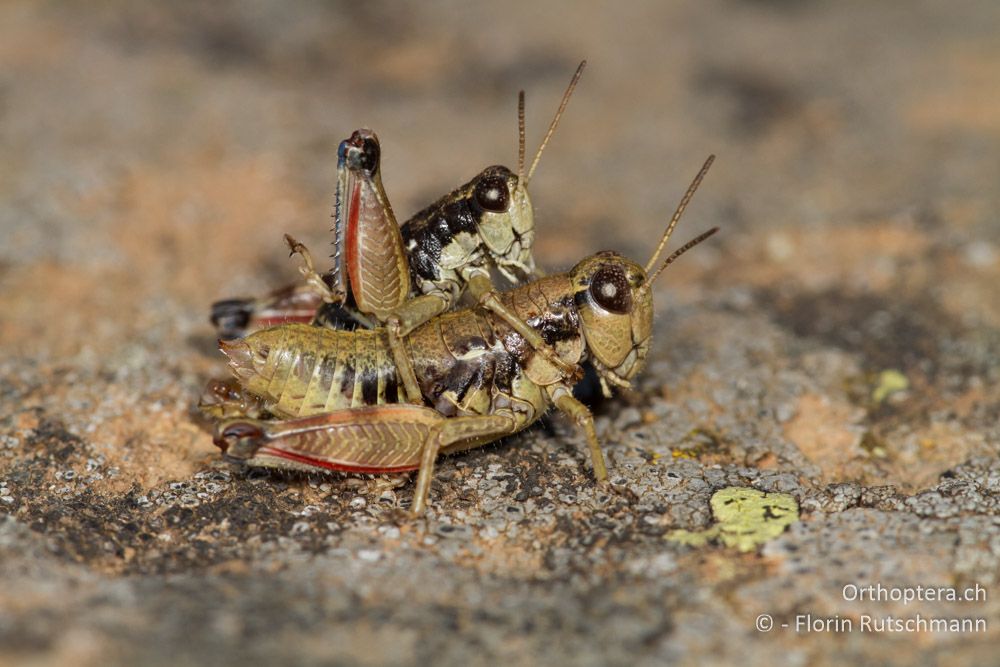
332,397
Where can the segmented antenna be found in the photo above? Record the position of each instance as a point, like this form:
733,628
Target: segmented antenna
555,120
679,212
520,137
680,251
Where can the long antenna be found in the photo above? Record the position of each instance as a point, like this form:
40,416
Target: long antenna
555,121
520,137
680,251
680,211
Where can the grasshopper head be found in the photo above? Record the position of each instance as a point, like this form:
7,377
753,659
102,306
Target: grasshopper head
616,310
614,297
506,220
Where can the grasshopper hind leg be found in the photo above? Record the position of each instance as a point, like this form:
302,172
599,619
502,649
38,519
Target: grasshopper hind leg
387,439
453,434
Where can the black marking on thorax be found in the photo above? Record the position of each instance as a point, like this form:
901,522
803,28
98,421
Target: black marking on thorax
560,321
432,229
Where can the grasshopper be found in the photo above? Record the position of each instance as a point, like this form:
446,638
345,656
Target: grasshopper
334,395
403,277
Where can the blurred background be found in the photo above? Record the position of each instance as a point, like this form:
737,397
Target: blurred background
153,154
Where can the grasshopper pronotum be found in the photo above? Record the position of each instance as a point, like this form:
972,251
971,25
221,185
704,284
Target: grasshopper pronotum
403,276
335,394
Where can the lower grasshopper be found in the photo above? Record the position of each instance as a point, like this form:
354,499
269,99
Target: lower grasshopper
402,277
334,394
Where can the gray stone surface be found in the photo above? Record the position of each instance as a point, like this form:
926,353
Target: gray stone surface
153,153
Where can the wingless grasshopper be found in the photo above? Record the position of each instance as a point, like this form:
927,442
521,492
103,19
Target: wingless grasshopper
402,277
334,395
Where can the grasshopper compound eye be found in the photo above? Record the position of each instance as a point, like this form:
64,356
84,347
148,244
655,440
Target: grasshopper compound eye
491,193
610,290
362,151
370,155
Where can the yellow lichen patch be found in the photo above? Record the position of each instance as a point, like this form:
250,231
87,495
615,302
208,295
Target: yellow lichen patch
703,440
889,382
746,518
696,538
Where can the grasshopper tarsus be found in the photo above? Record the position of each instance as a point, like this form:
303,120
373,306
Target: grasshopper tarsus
294,247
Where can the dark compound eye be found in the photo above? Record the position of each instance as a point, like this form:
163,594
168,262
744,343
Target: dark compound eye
361,151
370,154
610,289
491,193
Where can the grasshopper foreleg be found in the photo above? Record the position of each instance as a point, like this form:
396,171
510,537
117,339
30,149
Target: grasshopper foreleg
562,396
482,289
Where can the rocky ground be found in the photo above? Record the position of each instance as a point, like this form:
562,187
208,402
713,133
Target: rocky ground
837,346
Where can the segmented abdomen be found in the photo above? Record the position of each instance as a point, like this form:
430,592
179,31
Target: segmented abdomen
303,370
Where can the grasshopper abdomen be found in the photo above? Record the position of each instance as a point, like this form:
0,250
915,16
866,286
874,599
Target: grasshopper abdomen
300,370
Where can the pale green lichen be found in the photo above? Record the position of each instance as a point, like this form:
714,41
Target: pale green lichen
889,382
746,518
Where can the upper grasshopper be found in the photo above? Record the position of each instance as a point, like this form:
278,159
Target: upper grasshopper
334,395
402,277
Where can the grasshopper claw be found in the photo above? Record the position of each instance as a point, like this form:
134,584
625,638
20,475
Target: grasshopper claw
293,245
